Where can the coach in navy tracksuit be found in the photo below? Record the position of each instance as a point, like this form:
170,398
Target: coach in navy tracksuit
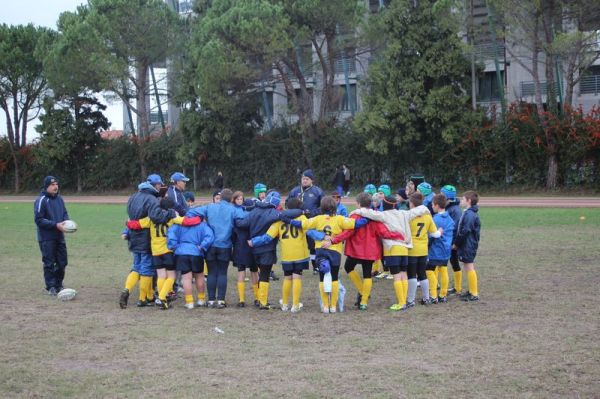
311,196
175,192
50,213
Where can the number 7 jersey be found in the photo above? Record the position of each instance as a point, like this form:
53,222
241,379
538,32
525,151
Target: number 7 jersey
420,227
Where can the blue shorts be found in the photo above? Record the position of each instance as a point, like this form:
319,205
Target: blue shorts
334,257
142,264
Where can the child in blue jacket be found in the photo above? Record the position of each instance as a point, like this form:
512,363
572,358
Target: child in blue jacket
467,241
440,250
190,245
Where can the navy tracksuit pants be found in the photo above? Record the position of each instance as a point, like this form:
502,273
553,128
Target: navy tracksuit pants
54,259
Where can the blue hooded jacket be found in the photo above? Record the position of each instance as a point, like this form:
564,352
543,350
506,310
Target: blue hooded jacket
48,210
221,218
441,248
453,209
190,240
467,236
141,204
242,253
181,205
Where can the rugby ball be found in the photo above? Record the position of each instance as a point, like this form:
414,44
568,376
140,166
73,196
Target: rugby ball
66,294
70,226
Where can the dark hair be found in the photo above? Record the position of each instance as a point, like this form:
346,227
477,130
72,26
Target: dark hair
328,205
416,198
294,203
389,202
335,194
226,195
440,200
471,196
364,200
167,203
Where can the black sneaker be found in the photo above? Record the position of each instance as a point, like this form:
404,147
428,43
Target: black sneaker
426,302
266,307
52,291
171,297
465,295
221,305
358,299
257,303
162,304
471,298
273,276
433,301
443,299
452,291
124,298
241,304
141,304
410,305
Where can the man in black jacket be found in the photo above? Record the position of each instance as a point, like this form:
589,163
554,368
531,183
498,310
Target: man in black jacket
50,213
141,204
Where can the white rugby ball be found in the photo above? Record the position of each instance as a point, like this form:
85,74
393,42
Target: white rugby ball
66,294
70,226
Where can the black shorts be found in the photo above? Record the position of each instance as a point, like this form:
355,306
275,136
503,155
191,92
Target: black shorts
190,263
396,264
218,254
295,266
265,258
164,261
432,263
253,268
334,257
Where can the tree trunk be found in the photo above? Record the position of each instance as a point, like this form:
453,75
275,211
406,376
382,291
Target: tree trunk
552,176
143,122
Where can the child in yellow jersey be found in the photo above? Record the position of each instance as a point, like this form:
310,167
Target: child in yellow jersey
163,259
294,255
331,224
420,227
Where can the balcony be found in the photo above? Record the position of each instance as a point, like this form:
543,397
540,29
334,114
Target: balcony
528,89
590,85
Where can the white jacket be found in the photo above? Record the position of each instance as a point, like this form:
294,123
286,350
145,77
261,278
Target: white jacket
395,220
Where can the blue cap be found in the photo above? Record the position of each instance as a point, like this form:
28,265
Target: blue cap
370,189
178,176
48,180
273,198
154,179
449,191
309,173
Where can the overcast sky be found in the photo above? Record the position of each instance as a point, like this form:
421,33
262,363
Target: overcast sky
45,13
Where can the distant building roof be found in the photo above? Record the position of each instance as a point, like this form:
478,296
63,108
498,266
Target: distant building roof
111,134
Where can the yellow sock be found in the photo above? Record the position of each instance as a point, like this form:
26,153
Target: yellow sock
132,279
458,281
166,288
202,296
437,273
444,281
150,290
189,298
296,291
205,268
335,292
399,290
324,296
472,277
145,287
263,293
355,278
255,291
404,292
242,291
377,266
366,290
432,283
159,283
285,290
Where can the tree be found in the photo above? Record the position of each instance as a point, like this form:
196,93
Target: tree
115,42
417,102
238,54
69,140
22,82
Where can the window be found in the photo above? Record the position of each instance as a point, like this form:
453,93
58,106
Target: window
590,81
488,87
155,117
349,56
346,103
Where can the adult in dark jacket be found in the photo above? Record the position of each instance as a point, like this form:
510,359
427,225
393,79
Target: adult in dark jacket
175,192
338,180
219,181
454,211
49,215
311,196
144,203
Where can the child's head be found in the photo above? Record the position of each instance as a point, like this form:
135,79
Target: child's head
238,198
439,203
225,195
328,205
260,191
336,196
363,200
415,199
189,198
217,196
167,203
294,203
424,188
273,198
370,189
449,191
383,191
469,199
389,202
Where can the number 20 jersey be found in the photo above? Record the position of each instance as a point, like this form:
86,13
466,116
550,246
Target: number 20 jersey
293,241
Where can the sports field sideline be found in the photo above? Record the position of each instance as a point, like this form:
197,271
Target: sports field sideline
533,334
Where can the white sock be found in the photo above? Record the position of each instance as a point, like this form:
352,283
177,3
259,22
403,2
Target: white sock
412,289
425,288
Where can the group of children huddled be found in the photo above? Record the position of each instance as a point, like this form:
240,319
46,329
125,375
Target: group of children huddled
412,235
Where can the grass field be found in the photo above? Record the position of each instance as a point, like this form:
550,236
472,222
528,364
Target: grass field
533,334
